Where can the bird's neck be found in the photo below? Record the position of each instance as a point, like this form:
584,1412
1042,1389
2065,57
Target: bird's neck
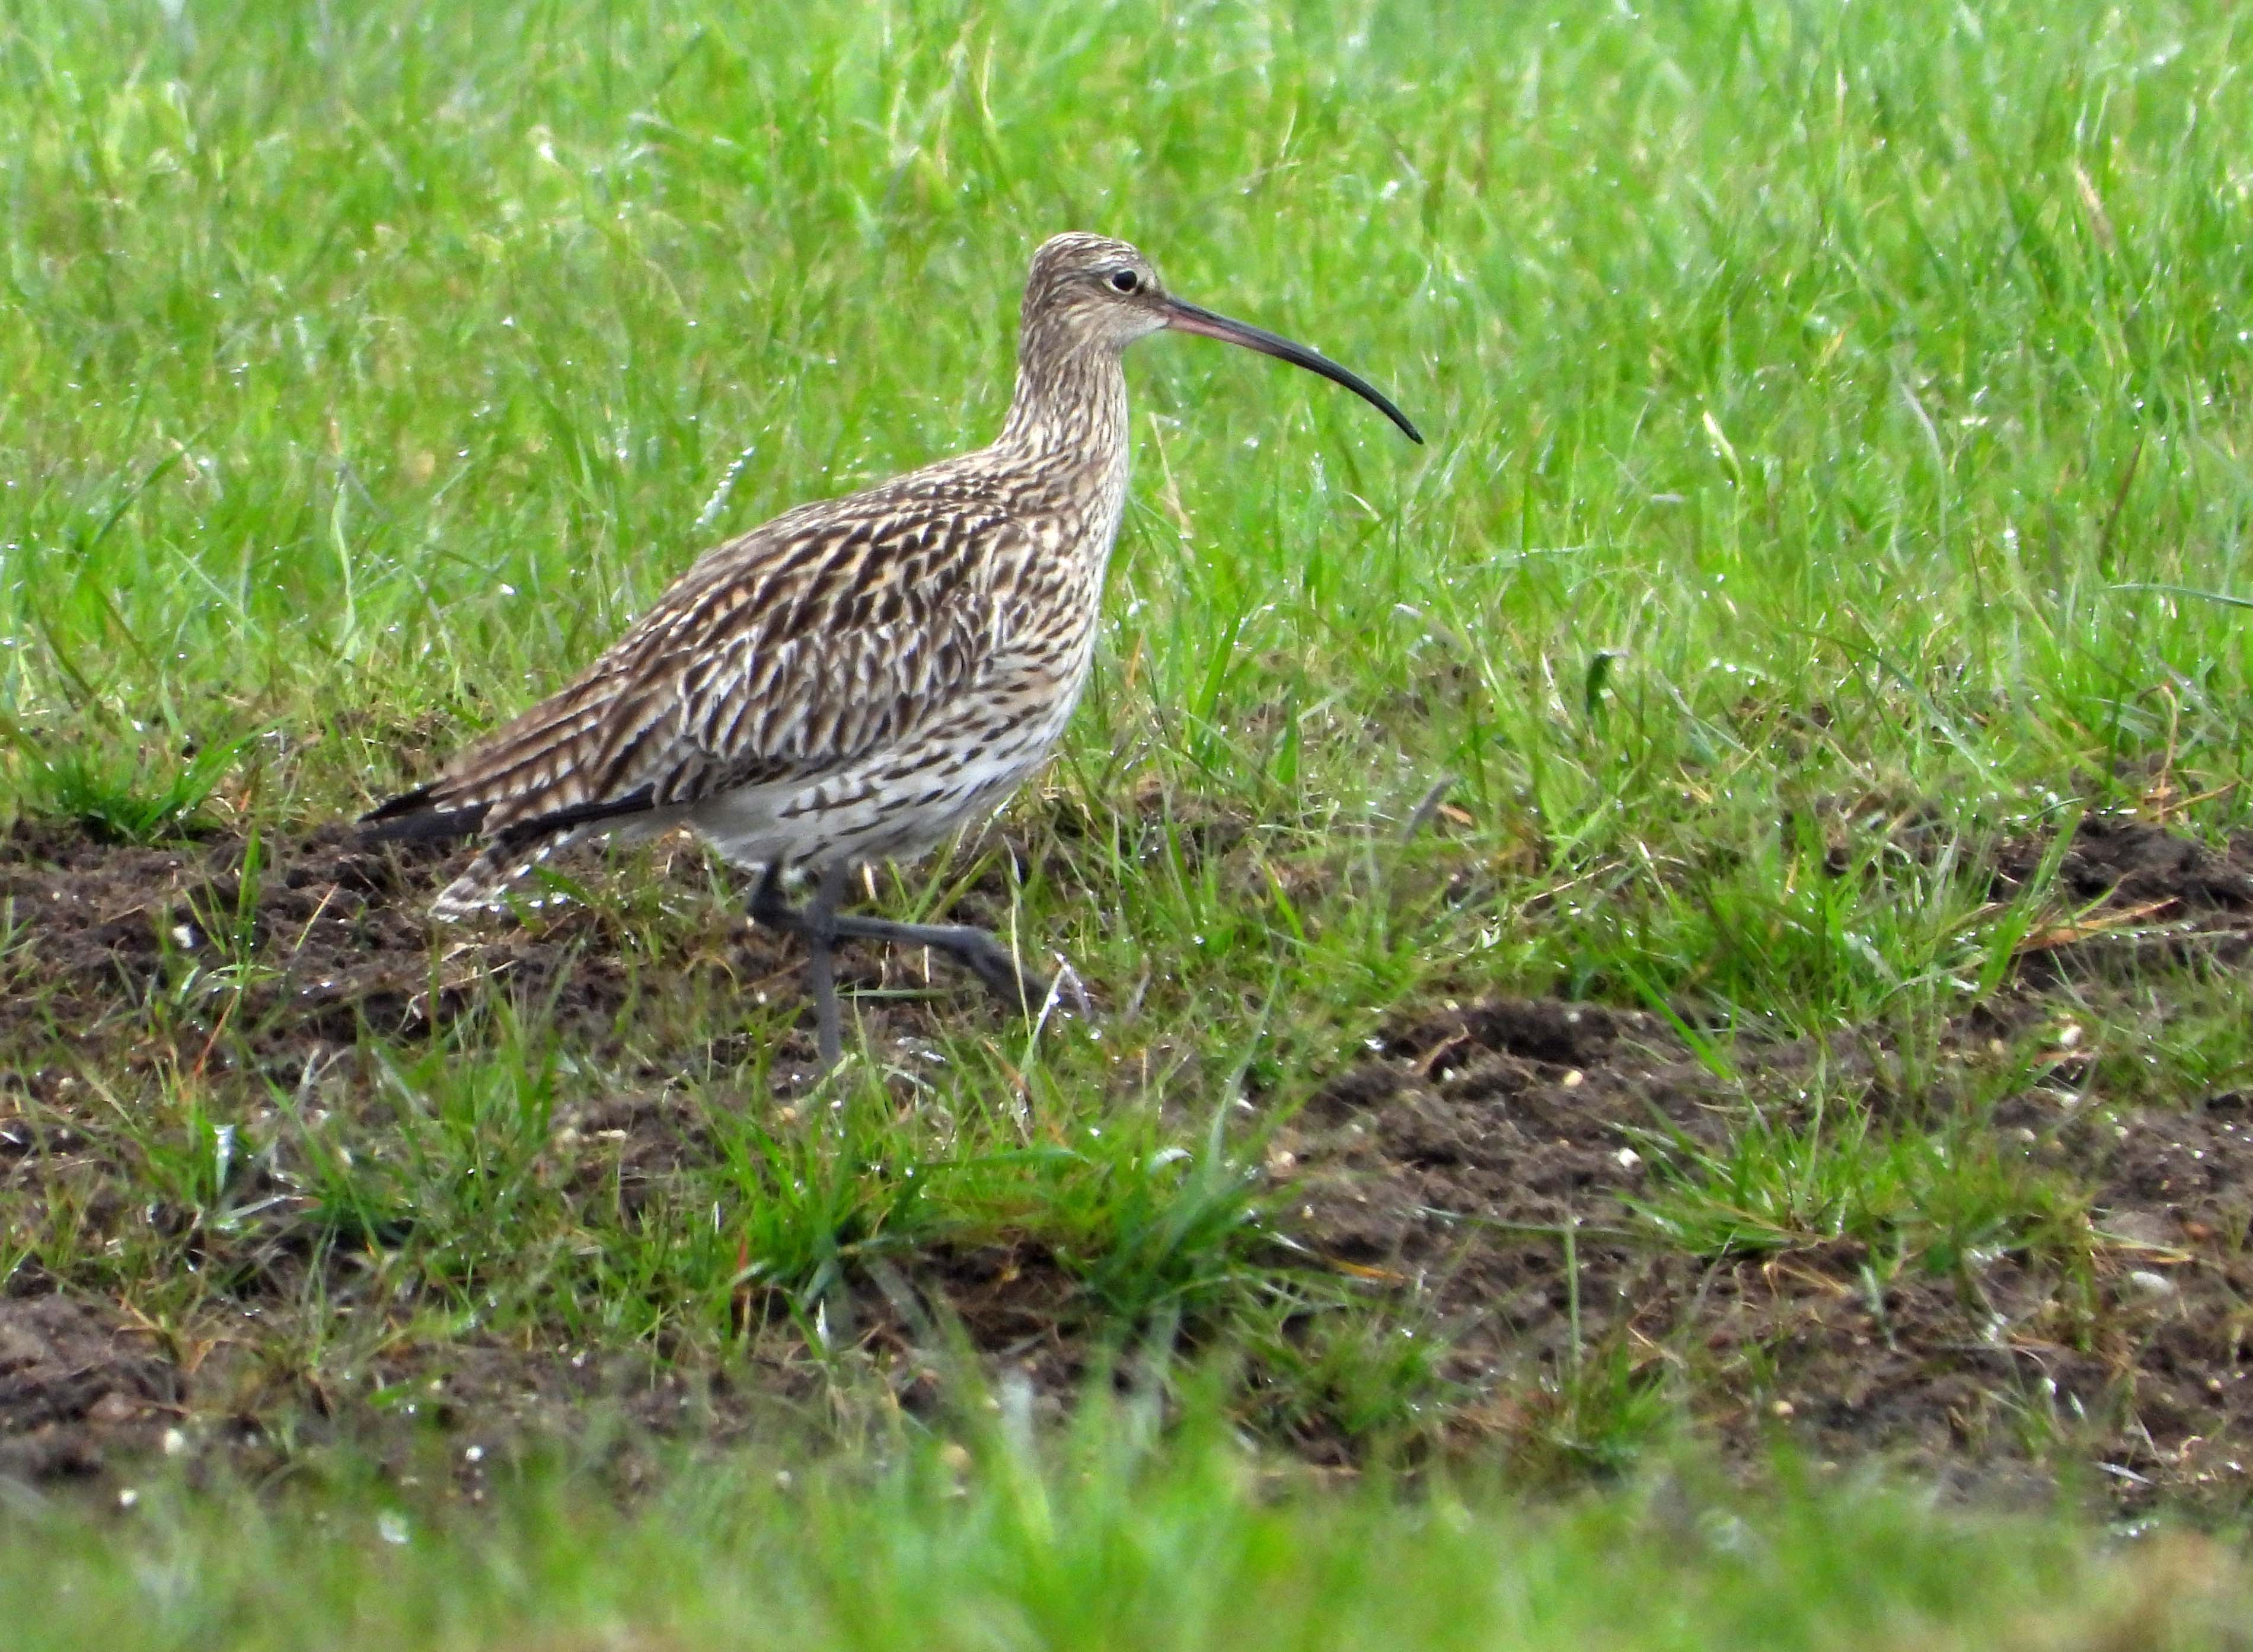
1069,410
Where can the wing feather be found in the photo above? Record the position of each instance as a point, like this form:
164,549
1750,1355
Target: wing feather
797,650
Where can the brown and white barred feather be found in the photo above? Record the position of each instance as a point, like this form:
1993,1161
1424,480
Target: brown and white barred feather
852,680
905,631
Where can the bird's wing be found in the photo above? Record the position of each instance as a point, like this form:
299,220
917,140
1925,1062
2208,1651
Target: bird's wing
797,650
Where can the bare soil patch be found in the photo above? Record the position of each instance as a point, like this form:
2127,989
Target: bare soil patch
109,943
76,1379
339,933
1454,1162
1442,1171
1455,1158
2146,894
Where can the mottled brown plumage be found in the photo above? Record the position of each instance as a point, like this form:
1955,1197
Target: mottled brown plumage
856,679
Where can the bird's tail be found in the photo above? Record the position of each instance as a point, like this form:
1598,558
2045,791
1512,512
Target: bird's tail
418,817
483,886
422,816
517,840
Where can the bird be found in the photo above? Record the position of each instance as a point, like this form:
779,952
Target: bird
856,681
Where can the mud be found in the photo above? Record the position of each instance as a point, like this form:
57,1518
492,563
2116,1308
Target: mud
1454,1164
339,936
2127,862
76,1381
2141,896
1494,1173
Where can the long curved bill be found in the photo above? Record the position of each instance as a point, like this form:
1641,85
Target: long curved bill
1187,318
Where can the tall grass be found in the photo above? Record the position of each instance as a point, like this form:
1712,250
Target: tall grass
1837,417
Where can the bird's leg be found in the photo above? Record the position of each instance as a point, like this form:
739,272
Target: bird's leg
820,930
817,923
976,950
769,908
822,926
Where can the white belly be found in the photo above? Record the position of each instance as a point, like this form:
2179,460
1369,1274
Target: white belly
908,798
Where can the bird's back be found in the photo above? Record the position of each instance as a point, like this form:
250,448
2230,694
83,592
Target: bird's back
825,646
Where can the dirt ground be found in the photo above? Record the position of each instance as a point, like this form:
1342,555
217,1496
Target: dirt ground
1457,1160
1488,1170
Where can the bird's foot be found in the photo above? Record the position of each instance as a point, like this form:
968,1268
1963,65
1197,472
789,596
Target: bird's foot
978,950
1068,988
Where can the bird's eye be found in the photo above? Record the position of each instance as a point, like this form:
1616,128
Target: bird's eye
1125,280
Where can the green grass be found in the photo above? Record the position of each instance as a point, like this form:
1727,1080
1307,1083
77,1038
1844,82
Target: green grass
373,366
1838,424
1115,1545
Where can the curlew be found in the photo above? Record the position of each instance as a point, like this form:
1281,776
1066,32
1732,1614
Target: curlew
859,677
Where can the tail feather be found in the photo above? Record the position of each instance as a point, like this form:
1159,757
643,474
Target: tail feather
405,803
483,884
391,823
412,817
533,828
510,850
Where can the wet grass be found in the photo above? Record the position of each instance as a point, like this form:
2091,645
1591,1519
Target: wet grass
985,1541
1836,486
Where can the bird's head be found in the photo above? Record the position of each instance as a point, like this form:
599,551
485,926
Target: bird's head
1096,289
1092,291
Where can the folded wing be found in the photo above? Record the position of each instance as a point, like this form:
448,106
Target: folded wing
808,646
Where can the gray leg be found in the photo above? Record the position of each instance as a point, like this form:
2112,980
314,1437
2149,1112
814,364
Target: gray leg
816,922
769,908
821,931
977,951
822,926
